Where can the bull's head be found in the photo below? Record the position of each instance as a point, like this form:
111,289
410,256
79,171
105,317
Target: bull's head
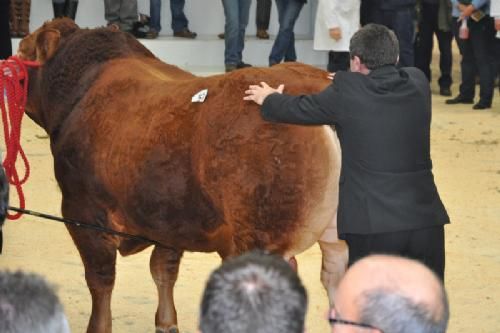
43,42
40,46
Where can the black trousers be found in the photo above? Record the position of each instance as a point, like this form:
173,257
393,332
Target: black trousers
425,245
478,58
427,27
338,61
263,14
5,43
401,22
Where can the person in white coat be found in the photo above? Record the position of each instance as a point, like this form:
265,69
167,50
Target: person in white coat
336,22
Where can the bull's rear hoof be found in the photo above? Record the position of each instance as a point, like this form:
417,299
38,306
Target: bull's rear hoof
171,329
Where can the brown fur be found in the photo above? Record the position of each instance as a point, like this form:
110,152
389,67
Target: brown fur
133,153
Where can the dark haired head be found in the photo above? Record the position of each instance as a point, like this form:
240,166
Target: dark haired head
255,292
375,45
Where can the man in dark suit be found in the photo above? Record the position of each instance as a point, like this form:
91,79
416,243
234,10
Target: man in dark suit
388,201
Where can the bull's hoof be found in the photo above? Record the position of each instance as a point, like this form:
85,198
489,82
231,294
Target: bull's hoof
171,329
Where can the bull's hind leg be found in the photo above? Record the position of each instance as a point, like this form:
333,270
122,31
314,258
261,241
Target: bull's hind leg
334,260
164,266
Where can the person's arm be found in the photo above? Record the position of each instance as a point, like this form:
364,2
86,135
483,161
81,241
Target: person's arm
318,109
300,110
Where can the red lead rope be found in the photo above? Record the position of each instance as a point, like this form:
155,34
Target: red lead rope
13,95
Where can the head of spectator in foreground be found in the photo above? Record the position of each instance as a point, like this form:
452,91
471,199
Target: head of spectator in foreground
255,292
389,294
29,304
371,47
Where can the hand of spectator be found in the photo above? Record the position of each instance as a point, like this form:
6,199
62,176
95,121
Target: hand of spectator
331,76
497,24
466,10
336,33
258,93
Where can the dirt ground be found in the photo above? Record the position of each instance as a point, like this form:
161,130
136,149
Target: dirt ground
466,156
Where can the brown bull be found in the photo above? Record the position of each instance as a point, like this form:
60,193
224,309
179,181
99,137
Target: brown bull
133,153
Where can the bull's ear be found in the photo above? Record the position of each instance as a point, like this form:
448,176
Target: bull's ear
47,42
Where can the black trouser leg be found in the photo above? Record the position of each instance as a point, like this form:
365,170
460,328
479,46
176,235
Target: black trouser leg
263,14
5,42
338,61
425,39
467,64
425,245
445,57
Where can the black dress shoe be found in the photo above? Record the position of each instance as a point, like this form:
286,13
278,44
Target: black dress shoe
481,106
460,100
243,65
443,91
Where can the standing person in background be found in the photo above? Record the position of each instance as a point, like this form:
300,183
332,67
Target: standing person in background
477,49
435,19
65,8
236,14
284,45
179,20
5,42
123,15
262,17
336,22
398,15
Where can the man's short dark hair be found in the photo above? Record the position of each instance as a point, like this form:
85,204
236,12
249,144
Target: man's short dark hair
394,313
255,292
375,45
29,304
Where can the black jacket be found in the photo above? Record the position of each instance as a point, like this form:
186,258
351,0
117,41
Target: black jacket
383,123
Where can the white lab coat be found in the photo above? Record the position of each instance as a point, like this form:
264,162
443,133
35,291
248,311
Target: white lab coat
495,8
336,13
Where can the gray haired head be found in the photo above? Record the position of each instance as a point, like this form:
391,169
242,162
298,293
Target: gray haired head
29,304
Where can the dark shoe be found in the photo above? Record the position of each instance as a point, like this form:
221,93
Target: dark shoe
481,106
460,100
221,35
136,33
151,34
242,65
445,91
185,33
231,67
262,34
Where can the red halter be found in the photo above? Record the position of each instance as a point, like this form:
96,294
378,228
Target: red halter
13,96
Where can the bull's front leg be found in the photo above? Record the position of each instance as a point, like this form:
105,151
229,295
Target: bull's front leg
334,260
99,259
164,266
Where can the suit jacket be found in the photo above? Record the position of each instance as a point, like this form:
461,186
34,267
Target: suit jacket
383,123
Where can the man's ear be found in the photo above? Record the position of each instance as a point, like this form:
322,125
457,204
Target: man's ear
47,43
355,64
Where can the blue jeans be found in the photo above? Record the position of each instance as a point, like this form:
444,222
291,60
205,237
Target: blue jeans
179,19
284,45
236,13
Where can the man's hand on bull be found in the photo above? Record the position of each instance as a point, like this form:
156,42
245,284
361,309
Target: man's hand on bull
258,93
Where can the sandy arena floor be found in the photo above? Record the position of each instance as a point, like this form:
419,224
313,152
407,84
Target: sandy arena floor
466,155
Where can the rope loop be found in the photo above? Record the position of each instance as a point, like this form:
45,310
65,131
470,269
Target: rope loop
13,97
